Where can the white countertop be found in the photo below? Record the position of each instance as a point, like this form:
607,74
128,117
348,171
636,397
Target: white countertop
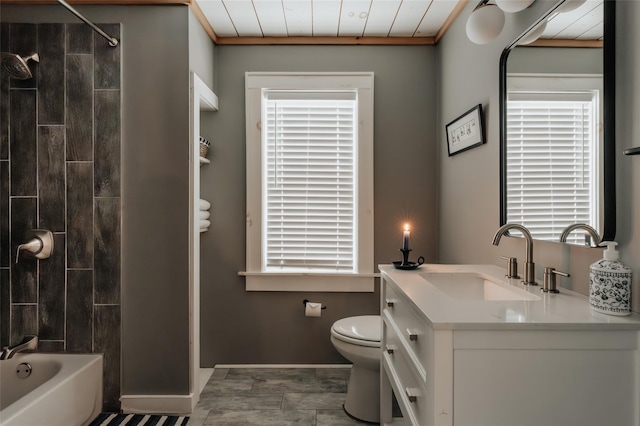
566,310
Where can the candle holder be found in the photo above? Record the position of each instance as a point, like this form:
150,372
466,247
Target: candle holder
405,264
405,256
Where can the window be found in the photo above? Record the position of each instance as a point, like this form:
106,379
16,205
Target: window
309,182
552,160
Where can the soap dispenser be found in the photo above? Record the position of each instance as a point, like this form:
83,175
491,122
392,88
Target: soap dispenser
610,283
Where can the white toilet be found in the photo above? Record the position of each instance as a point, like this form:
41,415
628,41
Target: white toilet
358,340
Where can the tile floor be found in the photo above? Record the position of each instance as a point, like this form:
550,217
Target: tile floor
274,396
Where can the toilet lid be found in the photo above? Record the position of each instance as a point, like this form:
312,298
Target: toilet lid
365,327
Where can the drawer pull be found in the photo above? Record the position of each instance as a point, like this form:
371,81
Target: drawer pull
390,348
413,336
390,302
412,394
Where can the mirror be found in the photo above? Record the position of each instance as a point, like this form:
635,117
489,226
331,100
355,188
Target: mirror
557,127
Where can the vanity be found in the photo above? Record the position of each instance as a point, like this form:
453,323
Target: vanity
463,345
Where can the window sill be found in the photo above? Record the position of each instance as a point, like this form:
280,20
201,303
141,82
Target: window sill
309,282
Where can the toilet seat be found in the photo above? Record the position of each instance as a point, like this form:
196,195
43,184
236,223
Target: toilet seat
362,330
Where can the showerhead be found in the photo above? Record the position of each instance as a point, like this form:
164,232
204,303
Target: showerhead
17,66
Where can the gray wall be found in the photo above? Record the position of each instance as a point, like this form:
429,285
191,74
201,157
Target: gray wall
558,60
261,327
155,188
469,183
628,136
201,52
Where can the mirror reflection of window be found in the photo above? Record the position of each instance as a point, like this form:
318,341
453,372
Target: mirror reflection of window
553,153
576,42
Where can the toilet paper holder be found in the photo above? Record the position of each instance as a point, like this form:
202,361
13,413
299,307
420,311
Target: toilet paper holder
305,301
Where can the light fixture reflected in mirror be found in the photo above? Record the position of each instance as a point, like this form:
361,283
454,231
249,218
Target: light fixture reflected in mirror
513,6
570,5
533,34
485,23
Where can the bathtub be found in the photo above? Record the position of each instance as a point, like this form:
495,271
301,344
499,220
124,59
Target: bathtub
62,390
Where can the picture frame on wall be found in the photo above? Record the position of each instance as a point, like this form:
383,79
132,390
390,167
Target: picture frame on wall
466,131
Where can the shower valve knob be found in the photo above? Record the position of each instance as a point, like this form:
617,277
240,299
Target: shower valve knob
39,246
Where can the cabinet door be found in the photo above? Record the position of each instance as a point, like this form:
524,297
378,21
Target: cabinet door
575,383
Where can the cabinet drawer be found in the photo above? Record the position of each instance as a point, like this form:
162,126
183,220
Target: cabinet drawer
412,330
410,392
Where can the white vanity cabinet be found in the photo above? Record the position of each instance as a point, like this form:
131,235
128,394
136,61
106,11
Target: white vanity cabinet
415,359
549,361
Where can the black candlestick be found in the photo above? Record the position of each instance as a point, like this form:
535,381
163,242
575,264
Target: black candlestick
405,256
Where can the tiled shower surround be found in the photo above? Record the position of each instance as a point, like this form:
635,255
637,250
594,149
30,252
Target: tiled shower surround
60,171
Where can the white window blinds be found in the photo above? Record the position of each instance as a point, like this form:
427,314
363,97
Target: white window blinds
309,166
551,162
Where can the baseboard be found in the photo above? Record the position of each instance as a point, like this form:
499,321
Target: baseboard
282,366
205,375
158,404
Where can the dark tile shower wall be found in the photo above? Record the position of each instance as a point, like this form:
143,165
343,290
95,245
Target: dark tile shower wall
60,170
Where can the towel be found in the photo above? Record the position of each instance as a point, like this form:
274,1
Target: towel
203,230
205,224
203,214
204,204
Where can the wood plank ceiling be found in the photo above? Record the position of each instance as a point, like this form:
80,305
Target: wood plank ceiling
396,21
582,23
368,21
350,21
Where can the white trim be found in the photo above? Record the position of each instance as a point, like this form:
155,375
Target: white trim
569,85
160,404
205,375
282,366
357,283
255,82
201,99
303,274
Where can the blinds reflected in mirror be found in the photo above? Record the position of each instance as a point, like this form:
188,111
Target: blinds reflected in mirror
552,161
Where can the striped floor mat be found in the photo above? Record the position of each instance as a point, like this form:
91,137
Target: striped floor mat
115,419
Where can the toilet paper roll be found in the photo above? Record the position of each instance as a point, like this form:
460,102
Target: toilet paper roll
313,309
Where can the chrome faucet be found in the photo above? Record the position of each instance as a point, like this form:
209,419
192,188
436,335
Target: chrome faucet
29,343
594,234
529,266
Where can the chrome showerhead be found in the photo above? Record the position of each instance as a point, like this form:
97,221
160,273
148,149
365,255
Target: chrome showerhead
17,66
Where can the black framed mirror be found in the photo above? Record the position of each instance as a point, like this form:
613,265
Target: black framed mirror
516,152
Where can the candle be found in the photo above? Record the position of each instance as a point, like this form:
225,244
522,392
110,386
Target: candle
405,237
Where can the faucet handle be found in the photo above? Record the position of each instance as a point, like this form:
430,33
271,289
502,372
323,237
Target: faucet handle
28,343
512,266
549,284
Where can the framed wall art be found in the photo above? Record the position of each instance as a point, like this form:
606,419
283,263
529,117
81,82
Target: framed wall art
466,131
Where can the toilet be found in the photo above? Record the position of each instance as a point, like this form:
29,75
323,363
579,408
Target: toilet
358,340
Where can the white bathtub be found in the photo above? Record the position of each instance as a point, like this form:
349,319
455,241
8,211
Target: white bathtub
62,390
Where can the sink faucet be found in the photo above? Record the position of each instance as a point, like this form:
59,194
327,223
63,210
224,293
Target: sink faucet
594,234
529,266
29,343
